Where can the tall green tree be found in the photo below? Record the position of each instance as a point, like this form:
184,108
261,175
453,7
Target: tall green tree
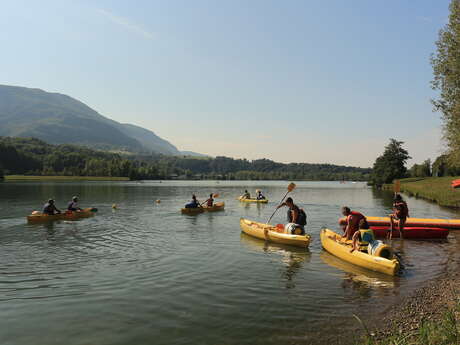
390,165
446,70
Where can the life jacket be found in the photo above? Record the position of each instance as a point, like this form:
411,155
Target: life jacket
367,236
301,216
48,208
209,202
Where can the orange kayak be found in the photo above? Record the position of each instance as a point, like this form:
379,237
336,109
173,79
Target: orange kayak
38,217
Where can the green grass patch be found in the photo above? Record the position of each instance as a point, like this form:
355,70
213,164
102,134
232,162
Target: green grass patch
63,178
437,189
445,331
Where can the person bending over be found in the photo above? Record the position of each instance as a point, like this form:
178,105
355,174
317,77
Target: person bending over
352,222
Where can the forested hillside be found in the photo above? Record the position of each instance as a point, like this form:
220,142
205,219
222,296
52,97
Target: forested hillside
60,119
35,157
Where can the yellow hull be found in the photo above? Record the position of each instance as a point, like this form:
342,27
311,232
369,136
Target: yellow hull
262,201
219,206
270,233
342,250
39,217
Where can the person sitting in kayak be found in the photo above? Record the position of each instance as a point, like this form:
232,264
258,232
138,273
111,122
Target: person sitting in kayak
194,203
352,222
50,208
210,201
363,236
260,196
246,195
399,215
296,217
73,205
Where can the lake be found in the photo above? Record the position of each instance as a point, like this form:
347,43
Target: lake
146,274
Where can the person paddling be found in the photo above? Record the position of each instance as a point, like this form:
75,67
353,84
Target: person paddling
353,222
260,196
210,201
73,205
399,215
194,203
246,195
50,208
296,217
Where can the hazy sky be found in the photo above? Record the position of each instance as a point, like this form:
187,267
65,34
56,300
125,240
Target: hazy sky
305,81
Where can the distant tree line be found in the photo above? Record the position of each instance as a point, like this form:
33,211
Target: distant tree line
31,156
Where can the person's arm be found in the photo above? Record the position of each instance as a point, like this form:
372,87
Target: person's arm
294,215
281,205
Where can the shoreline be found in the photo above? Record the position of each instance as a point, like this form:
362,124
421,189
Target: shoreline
423,310
62,178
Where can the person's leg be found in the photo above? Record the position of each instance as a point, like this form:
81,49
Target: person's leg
355,244
392,226
401,223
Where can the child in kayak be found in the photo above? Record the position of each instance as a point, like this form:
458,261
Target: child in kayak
353,222
246,195
73,205
399,215
260,196
364,236
210,201
194,203
50,208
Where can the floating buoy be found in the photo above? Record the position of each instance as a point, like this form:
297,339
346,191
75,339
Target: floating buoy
158,201
114,206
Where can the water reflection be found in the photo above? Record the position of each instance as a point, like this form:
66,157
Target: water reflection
358,278
292,258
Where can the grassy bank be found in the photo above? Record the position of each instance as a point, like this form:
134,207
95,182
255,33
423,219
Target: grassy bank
436,189
444,331
63,178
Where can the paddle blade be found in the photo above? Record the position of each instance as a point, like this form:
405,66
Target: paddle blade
291,186
215,195
397,186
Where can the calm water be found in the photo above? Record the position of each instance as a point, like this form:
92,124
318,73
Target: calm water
145,274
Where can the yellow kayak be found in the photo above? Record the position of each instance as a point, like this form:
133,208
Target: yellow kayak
332,243
272,234
38,217
218,206
261,201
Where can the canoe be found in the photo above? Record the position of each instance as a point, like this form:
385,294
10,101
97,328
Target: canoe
412,232
413,222
455,183
38,217
273,234
329,241
262,201
218,206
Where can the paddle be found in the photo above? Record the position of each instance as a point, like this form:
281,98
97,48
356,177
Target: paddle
397,186
290,188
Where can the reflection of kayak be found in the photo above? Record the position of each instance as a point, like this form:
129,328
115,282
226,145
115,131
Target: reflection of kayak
218,206
37,217
356,273
273,234
413,222
329,240
261,201
411,232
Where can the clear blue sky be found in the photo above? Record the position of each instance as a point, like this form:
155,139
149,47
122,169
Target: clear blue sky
306,81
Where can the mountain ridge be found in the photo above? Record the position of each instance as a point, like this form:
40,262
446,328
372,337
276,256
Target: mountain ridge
61,119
